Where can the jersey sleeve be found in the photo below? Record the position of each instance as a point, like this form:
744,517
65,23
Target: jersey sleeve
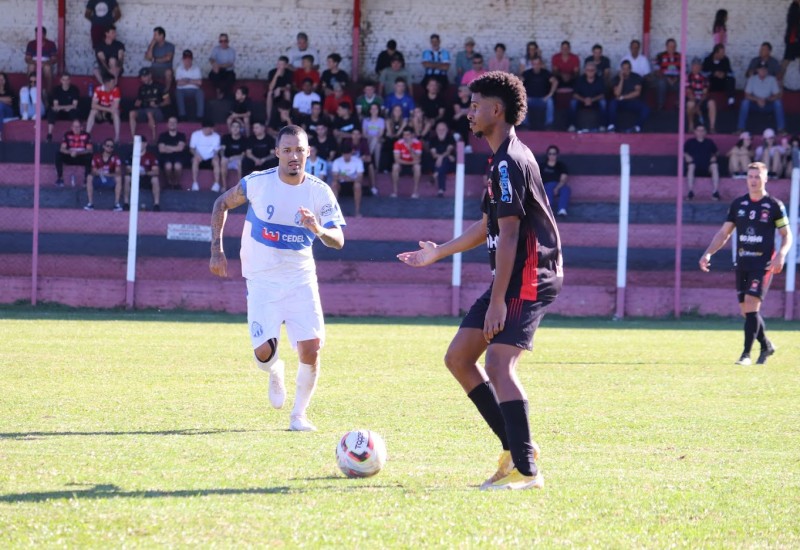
780,217
511,181
731,217
328,211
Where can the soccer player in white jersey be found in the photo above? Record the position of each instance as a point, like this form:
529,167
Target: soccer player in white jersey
287,210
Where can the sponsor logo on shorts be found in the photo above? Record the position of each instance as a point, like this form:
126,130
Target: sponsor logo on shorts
256,330
505,181
754,284
273,236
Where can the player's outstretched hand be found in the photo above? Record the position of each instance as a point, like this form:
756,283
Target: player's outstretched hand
309,220
426,255
218,264
705,262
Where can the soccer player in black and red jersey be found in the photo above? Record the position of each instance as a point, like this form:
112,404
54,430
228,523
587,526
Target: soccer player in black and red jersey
755,217
520,232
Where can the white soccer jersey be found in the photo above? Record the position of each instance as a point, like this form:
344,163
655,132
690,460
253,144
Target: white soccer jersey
275,246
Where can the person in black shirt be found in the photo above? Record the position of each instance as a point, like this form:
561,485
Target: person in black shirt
110,56
520,232
540,86
755,217
65,104
260,152
442,149
554,178
316,117
233,149
385,57
152,97
589,92
172,153
700,155
334,74
279,89
241,108
717,68
627,97
326,145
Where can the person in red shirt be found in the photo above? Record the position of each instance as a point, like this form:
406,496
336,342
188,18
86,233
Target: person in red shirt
565,65
106,173
697,98
105,104
306,71
49,58
148,177
668,71
407,158
76,150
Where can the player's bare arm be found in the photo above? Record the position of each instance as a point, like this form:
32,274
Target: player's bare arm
232,198
776,264
504,264
430,252
717,242
332,237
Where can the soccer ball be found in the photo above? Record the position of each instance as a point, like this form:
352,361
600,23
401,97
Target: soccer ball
361,453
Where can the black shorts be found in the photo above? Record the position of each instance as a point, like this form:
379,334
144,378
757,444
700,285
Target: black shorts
754,283
206,164
407,169
171,158
703,170
522,320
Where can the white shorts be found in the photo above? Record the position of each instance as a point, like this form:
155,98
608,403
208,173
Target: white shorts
233,163
269,305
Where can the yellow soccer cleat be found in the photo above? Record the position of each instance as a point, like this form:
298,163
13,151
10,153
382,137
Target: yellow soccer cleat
515,481
505,465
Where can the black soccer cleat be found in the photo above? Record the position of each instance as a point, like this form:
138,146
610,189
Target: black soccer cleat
765,354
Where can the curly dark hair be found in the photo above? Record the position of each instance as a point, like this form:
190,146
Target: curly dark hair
506,87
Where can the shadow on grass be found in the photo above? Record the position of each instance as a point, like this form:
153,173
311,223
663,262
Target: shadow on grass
112,491
43,435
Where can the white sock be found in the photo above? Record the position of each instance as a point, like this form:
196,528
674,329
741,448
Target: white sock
306,384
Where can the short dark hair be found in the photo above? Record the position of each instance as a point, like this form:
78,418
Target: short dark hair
768,45
500,45
477,55
636,41
160,30
553,148
302,35
44,30
244,89
391,45
307,56
600,46
506,87
290,130
110,28
335,57
625,62
671,40
408,129
283,58
345,104
566,43
436,36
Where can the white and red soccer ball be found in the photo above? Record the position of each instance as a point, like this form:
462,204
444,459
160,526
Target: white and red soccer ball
361,453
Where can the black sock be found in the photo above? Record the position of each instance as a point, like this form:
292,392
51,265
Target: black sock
750,330
761,333
486,401
515,414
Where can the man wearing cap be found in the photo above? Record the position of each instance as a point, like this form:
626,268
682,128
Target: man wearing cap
161,53
763,94
148,103
188,80
464,59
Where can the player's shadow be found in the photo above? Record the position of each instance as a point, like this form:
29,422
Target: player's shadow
96,492
43,435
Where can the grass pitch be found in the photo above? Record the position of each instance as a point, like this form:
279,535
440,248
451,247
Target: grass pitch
147,429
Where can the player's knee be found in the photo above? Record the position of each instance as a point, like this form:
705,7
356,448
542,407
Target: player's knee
267,351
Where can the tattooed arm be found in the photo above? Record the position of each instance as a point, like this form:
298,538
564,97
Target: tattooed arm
232,198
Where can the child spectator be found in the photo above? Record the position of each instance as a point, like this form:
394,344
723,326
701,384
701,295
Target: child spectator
719,30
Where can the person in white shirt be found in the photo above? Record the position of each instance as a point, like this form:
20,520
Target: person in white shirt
188,80
306,97
295,53
348,171
204,145
639,63
287,210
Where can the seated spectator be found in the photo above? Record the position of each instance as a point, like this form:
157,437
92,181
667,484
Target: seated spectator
332,101
762,93
601,63
105,105
327,147
360,145
306,71
407,158
188,83
172,153
148,104
554,177
395,123
110,56
771,153
232,149
384,60
106,174
476,70
49,58
204,145
102,14
668,72
316,165
740,156
389,76
223,65
368,99
459,122
790,145
241,108
345,122
295,54
639,63
260,152
700,155
280,85
283,117
76,150
65,104
305,98
566,65
400,97
333,75
315,118
764,56
161,53
29,97
499,62
540,86
148,177
418,124
433,105
6,101
532,52
589,93
347,172
627,97
698,99
464,59
442,149
717,68
436,62
374,129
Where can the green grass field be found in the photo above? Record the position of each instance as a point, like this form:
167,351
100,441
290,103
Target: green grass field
151,429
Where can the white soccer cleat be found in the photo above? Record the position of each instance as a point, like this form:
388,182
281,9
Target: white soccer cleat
195,186
301,424
215,188
277,389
